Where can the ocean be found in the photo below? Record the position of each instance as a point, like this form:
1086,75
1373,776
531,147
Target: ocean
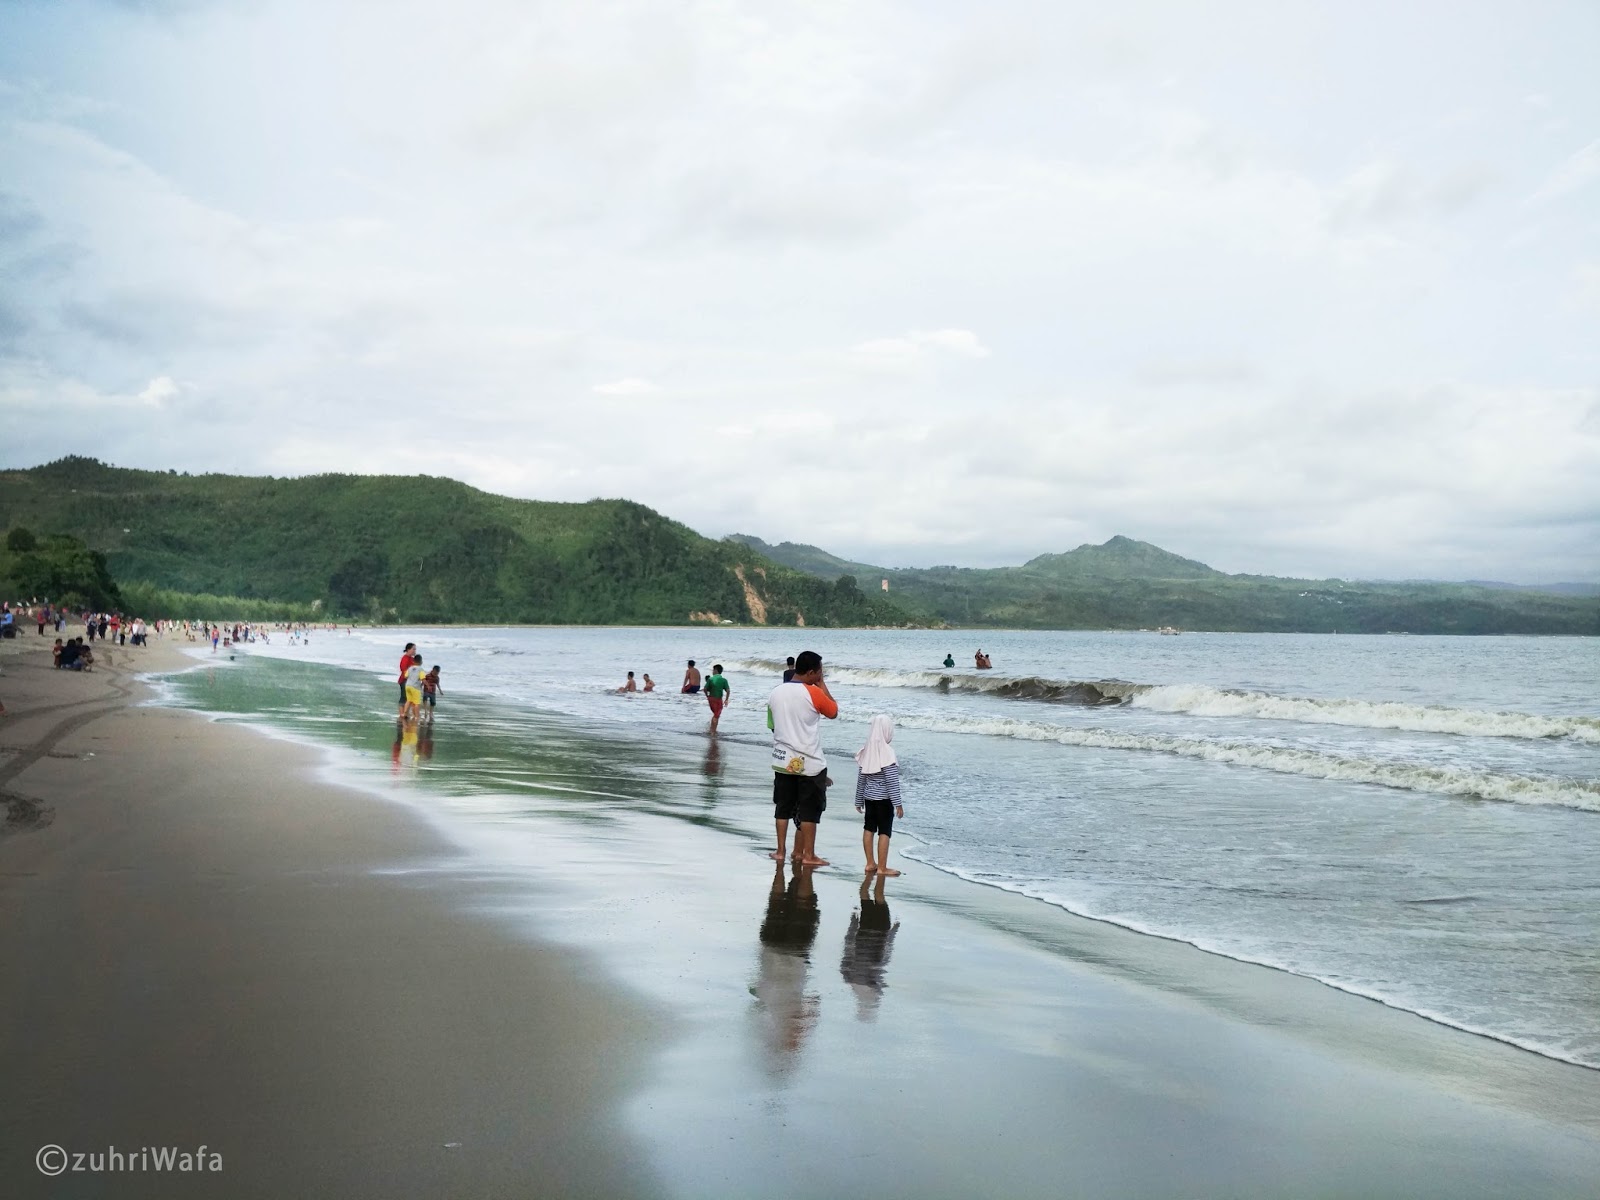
1415,820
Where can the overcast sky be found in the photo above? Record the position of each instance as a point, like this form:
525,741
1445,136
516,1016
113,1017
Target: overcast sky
1304,289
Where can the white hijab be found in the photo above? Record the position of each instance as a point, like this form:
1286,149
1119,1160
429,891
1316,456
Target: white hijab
877,753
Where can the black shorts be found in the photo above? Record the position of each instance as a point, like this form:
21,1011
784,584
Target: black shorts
402,691
427,698
879,818
799,797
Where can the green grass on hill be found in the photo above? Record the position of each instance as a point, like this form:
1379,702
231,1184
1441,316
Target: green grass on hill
417,548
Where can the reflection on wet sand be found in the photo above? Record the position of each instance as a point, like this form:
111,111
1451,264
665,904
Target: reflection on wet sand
713,763
787,1012
867,944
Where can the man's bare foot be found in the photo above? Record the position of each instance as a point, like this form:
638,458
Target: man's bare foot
889,871
871,867
814,861
777,854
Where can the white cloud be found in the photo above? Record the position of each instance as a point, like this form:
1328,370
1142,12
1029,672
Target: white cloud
916,349
158,391
1576,173
1206,320
626,387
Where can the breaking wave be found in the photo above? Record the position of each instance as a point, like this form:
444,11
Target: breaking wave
1203,701
1413,777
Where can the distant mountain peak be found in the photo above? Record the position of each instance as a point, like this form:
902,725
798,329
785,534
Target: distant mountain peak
1121,557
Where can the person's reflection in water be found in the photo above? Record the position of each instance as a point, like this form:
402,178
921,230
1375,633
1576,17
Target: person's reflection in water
787,1011
425,742
866,948
713,764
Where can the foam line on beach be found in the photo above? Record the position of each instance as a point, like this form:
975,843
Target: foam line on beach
1201,700
921,854
1583,795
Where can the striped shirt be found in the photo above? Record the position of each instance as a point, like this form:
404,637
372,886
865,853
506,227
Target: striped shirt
881,785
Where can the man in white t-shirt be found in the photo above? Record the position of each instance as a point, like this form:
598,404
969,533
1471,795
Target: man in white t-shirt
799,772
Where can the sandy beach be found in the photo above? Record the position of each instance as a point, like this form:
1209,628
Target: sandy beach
200,953
213,943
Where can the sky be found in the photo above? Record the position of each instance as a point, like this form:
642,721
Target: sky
1289,288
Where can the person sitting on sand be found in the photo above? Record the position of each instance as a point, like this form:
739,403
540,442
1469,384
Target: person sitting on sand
878,793
718,689
691,680
85,659
630,686
649,684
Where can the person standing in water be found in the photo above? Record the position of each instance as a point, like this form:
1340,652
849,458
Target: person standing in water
800,772
691,680
949,659
717,692
630,686
649,684
405,665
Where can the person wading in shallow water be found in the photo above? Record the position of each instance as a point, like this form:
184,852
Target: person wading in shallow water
691,679
718,689
800,773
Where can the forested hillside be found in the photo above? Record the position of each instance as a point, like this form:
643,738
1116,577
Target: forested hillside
1128,584
419,549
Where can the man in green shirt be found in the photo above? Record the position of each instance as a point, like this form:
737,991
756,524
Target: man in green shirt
717,692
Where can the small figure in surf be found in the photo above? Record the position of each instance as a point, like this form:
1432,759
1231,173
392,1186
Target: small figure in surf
691,680
413,678
630,686
431,689
981,661
788,669
718,689
949,660
405,665
649,684
878,793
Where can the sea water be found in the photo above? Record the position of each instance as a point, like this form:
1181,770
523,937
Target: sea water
1411,819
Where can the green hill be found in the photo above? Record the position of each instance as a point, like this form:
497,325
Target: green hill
807,558
419,549
1119,558
1128,584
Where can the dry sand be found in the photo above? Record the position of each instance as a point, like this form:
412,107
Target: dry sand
197,950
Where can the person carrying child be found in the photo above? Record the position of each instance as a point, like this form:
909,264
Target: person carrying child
878,793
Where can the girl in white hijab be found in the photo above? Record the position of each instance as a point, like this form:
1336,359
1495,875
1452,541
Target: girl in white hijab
878,793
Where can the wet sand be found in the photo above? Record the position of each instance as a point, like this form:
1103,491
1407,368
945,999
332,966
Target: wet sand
198,950
214,943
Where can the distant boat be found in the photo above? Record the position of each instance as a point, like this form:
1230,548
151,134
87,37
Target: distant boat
1169,631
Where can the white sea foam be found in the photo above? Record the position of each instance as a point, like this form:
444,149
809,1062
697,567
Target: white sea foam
1415,777
1199,700
1224,948
1203,701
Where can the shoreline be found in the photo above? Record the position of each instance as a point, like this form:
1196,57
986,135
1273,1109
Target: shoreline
212,945
1135,1065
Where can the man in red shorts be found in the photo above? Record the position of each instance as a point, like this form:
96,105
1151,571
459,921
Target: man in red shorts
718,689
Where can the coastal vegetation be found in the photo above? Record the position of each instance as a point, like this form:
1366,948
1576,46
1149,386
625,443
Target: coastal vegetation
424,549
417,549
1128,584
58,566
